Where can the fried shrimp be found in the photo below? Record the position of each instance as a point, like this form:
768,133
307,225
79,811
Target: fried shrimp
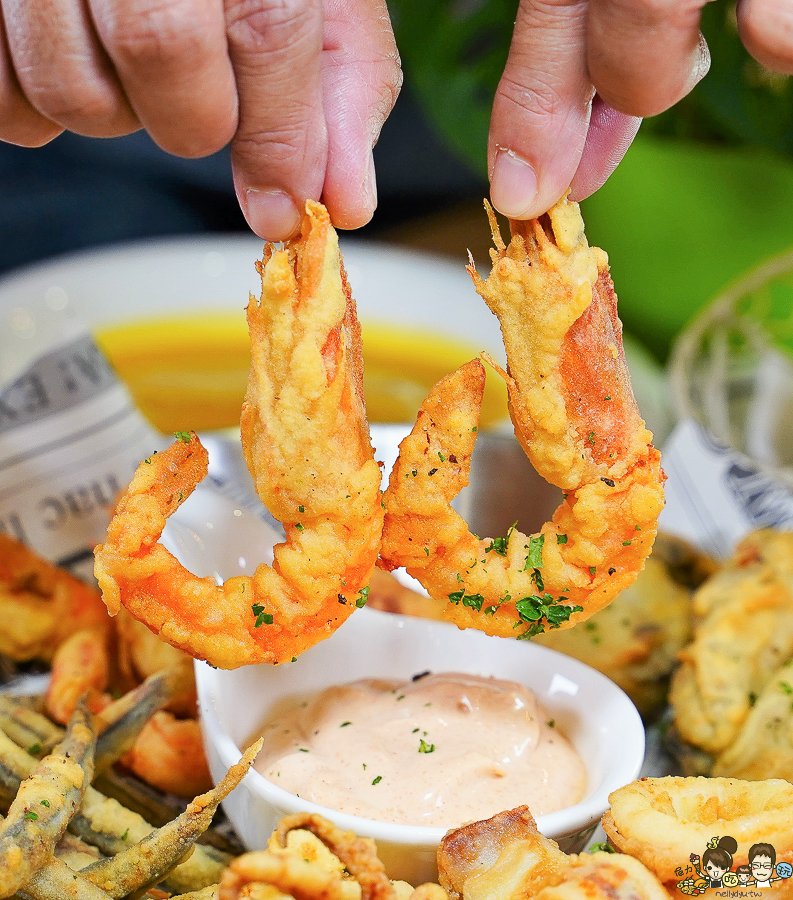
307,445
576,418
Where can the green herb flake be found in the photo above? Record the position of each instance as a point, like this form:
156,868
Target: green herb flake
424,747
561,538
31,815
534,557
363,597
302,749
441,457
378,779
262,617
294,659
602,846
45,803
183,436
472,601
34,749
785,687
125,835
414,731
551,723
401,697
345,724
474,428
626,543
301,509
299,526
752,698
497,545
591,437
592,570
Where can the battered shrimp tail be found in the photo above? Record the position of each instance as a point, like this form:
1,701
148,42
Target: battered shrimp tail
307,445
575,415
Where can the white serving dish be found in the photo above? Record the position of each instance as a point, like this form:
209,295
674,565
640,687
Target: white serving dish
211,536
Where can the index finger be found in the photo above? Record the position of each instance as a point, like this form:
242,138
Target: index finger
279,153
541,109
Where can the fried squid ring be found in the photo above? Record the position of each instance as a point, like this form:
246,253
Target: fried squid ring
576,418
307,445
662,821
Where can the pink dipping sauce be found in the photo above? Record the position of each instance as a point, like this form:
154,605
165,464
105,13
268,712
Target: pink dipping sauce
438,751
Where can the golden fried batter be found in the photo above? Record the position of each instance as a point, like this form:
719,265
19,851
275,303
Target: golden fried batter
575,415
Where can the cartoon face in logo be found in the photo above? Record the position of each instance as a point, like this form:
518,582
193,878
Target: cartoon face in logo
762,858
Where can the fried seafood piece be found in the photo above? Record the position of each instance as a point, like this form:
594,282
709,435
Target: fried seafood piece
636,639
575,416
40,604
309,858
307,445
45,803
743,634
661,821
506,858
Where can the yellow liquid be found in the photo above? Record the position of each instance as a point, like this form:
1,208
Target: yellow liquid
189,371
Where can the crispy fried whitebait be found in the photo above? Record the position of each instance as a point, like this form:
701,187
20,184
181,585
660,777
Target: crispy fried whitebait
45,803
576,417
306,441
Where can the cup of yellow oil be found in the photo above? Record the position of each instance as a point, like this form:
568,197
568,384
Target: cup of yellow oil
188,372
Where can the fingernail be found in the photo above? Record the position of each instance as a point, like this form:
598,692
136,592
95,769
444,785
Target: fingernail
513,186
273,215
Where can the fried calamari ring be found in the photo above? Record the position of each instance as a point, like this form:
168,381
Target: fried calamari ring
661,821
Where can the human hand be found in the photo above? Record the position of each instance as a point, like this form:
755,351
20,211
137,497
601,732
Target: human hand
580,73
301,89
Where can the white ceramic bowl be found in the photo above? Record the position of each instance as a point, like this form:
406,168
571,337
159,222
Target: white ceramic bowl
213,537
590,710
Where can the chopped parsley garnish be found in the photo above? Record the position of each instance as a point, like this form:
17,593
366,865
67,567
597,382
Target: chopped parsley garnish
45,803
535,609
490,610
414,731
294,659
786,688
591,437
626,543
424,747
299,526
561,538
602,846
441,457
592,570
345,724
34,749
125,835
378,779
363,596
401,697
534,557
497,545
551,723
472,601
474,428
637,527
302,749
301,509
752,698
31,815
262,617
183,436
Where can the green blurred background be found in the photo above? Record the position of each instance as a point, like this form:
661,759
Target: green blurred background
704,195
